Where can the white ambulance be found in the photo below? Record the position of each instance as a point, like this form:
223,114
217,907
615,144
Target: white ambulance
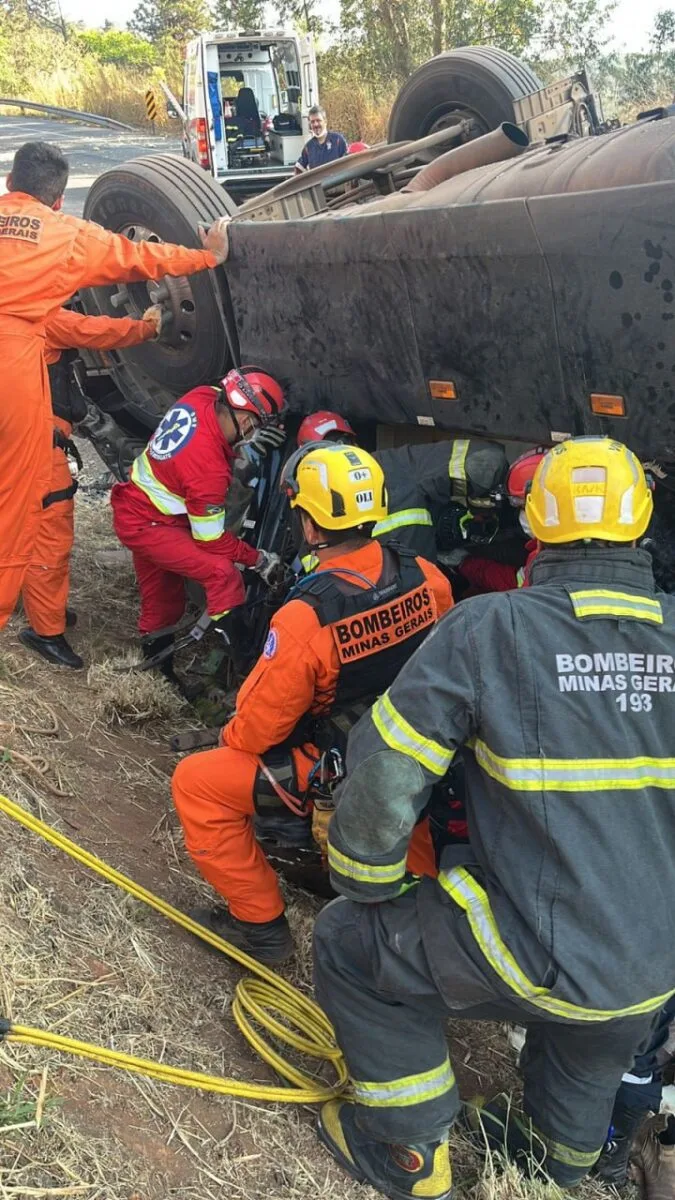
246,97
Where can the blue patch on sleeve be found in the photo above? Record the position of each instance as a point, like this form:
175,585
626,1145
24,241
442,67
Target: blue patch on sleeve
271,644
174,432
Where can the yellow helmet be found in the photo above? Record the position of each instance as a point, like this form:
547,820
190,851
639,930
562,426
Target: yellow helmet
589,487
340,487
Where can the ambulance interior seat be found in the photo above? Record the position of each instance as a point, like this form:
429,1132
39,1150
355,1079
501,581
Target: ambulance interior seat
248,116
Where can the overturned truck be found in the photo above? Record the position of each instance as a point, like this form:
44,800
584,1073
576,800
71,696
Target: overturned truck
503,268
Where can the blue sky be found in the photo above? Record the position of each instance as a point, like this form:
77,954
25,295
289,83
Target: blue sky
630,25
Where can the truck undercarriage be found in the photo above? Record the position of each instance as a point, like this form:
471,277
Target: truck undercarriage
441,285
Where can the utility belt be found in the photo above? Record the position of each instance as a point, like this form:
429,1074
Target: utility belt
329,735
61,442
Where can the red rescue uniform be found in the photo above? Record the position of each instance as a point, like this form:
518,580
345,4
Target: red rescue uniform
45,257
47,579
172,515
297,674
485,575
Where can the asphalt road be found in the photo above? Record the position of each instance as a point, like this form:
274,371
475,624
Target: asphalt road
89,149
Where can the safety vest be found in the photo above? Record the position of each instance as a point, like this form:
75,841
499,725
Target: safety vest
375,629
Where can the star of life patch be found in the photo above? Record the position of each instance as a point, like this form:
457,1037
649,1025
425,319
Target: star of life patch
174,432
271,644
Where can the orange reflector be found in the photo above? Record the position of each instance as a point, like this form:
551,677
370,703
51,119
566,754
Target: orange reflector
608,406
442,389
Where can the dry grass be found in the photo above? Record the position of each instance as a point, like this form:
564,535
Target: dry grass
125,696
81,958
357,112
103,88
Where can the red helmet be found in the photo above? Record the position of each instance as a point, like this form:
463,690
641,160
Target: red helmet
357,147
322,426
521,474
248,389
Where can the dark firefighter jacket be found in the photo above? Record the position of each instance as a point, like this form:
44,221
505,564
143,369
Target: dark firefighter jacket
563,697
423,480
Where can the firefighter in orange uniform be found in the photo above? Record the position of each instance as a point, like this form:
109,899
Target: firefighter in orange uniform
46,582
45,257
338,641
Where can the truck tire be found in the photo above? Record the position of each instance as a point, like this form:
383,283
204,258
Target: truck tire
163,198
476,82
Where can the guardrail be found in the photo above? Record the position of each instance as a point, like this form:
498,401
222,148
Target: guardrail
72,113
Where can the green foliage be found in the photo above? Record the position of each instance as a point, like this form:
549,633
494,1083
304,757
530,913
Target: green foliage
575,32
239,14
373,51
162,21
663,34
19,1108
119,46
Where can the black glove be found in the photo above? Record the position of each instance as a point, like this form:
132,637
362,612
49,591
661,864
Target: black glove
269,567
250,454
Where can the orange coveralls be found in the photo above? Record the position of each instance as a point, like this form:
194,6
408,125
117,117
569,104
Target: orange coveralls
46,582
45,257
213,791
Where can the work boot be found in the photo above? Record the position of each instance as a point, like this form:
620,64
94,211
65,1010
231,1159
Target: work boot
654,1159
152,645
55,650
398,1171
612,1165
268,941
235,640
498,1127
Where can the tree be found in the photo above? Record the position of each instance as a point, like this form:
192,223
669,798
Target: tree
118,46
46,13
392,37
575,31
240,14
663,33
304,15
170,20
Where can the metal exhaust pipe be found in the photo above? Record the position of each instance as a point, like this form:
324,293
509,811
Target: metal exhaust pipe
507,141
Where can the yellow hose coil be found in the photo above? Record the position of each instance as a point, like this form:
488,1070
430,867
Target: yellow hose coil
255,1002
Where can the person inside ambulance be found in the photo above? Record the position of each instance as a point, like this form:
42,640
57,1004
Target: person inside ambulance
430,487
561,696
338,641
172,513
45,256
47,580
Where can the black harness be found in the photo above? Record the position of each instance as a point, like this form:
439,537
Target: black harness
61,442
363,625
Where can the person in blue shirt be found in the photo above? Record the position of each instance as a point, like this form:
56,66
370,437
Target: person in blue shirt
324,146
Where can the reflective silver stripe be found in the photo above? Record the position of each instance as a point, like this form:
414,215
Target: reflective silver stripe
469,895
163,500
601,602
407,1090
207,527
362,872
575,774
400,735
567,1154
405,516
558,1150
457,469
